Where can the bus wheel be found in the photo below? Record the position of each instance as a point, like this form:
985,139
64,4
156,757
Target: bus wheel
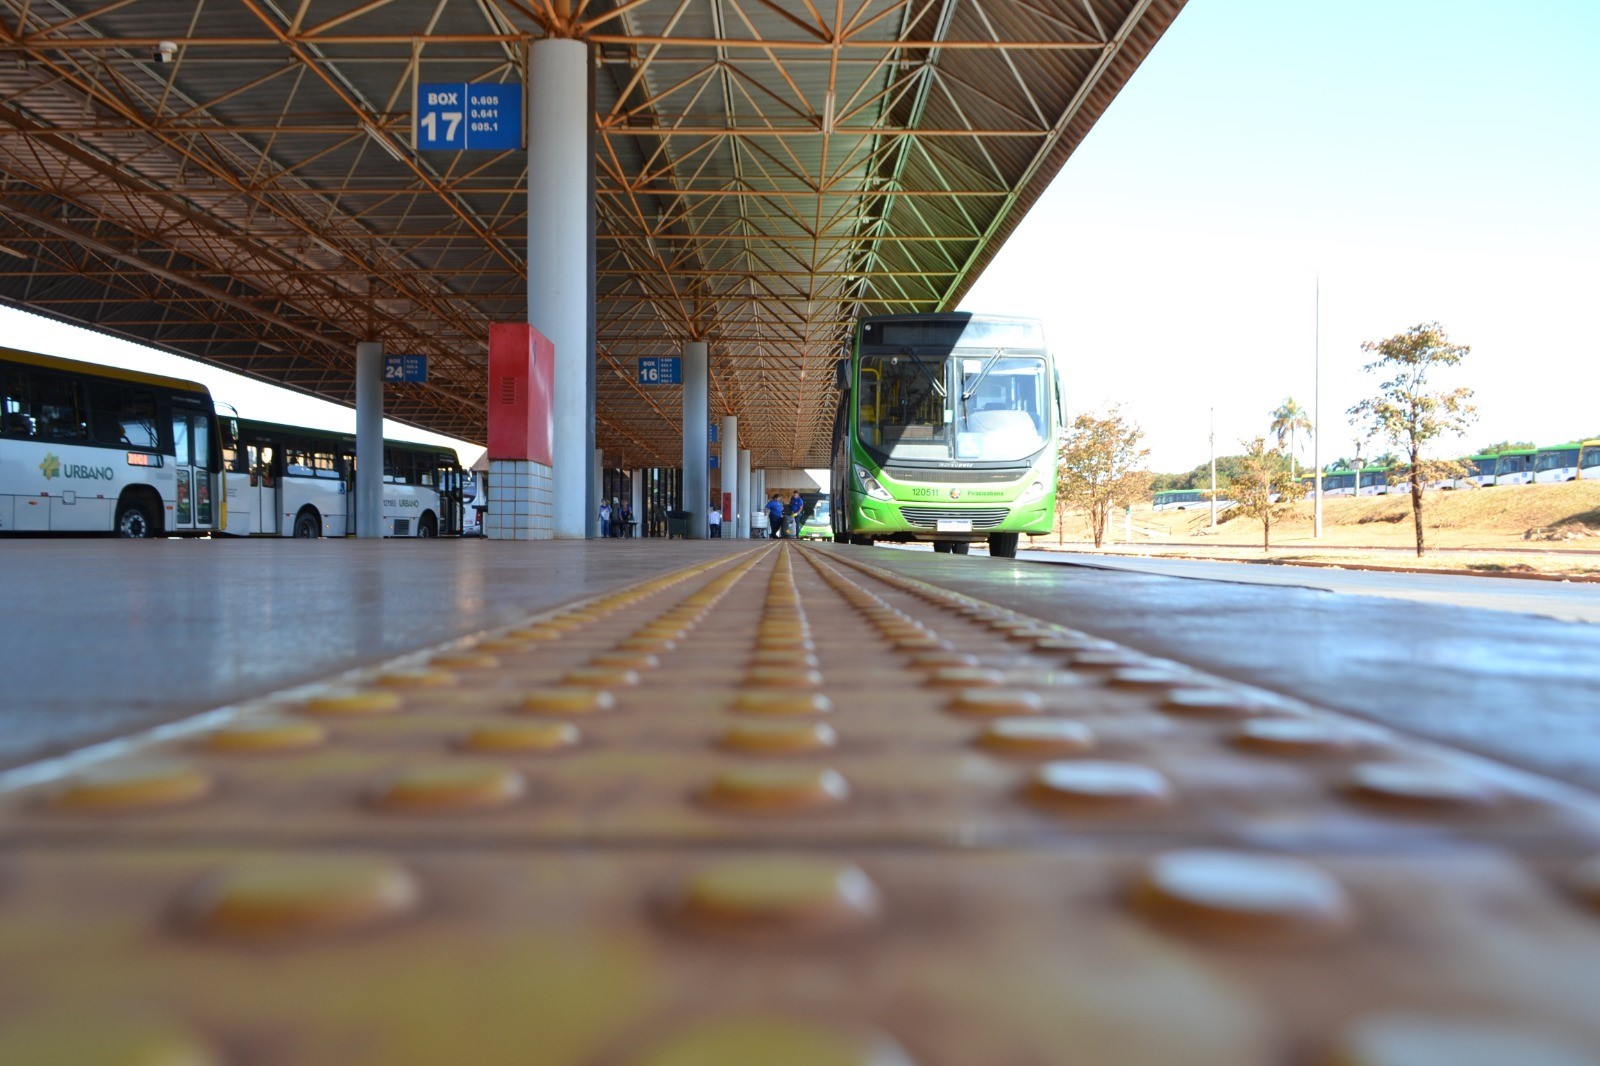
863,541
942,547
841,538
307,524
960,547
134,520
1003,545
428,526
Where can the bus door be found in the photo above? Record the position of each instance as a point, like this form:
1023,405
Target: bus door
194,506
264,484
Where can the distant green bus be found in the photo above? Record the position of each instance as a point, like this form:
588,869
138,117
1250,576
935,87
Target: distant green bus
946,432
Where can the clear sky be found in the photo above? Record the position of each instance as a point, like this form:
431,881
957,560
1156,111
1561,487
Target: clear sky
1431,159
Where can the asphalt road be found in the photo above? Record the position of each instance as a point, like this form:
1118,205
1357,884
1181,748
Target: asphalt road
1568,602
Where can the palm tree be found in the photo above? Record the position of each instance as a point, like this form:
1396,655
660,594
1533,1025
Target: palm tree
1287,421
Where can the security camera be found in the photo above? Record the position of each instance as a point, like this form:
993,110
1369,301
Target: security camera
164,52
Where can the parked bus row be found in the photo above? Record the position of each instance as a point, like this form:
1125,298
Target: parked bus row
1573,461
95,449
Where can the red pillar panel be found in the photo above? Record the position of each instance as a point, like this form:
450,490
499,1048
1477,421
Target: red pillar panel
522,369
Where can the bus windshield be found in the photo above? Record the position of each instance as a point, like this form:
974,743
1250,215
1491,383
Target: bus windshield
982,406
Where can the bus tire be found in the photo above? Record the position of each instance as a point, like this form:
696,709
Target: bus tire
1003,545
942,547
861,540
841,538
136,518
427,525
960,547
307,524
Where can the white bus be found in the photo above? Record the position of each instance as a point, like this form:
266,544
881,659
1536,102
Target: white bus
1557,463
96,449
288,481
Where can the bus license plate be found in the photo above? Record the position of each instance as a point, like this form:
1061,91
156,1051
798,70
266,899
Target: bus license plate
955,525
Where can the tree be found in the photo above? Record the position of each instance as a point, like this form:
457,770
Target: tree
1287,421
1265,487
1102,467
1407,414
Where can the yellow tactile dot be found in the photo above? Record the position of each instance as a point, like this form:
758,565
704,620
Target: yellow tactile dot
785,644
776,789
538,633
1096,785
299,895
1585,882
649,644
1242,895
1221,702
463,660
1407,785
126,786
1293,736
925,642
778,738
943,657
791,658
522,736
628,660
995,701
450,786
1036,736
601,676
1069,644
504,646
355,703
965,676
265,734
567,701
101,1041
1151,677
781,702
415,679
771,1041
1404,1039
782,677
1105,659
778,893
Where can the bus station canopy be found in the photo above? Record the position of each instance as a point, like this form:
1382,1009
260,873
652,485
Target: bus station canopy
237,181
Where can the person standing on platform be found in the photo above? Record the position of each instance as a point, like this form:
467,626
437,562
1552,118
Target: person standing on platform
775,515
714,518
605,518
626,529
797,506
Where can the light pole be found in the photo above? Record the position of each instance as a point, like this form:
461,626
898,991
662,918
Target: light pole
1316,414
1213,469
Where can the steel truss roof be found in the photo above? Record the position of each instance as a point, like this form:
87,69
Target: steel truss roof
765,172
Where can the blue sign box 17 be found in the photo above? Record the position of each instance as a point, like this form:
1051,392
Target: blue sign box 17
468,116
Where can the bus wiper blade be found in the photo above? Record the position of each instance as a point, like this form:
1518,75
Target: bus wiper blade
988,366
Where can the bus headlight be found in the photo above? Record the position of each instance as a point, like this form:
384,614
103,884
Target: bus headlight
1032,492
870,483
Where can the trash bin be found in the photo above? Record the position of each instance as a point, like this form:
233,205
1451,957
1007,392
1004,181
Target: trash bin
677,524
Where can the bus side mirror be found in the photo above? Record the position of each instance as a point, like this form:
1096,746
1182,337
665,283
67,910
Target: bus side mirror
841,375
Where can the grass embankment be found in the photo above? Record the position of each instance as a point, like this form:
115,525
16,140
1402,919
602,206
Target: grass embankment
1526,529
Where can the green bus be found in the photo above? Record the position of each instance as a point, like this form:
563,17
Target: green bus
946,432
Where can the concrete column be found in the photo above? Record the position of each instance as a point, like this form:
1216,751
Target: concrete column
597,489
369,440
696,419
742,519
729,469
758,499
559,196
636,480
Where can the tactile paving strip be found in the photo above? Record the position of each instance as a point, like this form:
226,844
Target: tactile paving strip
785,807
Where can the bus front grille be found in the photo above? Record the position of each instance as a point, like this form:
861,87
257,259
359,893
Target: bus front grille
941,476
980,517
